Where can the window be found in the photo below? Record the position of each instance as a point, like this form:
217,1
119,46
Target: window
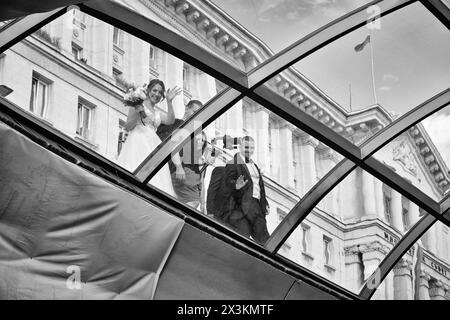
118,37
39,95
306,235
387,209
327,250
122,135
84,122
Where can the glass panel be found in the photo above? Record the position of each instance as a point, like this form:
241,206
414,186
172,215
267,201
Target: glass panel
421,155
207,26
291,162
99,77
282,22
351,230
424,272
365,80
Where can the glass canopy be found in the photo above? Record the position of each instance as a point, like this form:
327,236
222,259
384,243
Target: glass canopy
281,23
423,272
321,113
373,75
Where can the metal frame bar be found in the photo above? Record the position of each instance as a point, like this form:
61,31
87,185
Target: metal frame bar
395,254
445,204
319,39
23,27
271,100
123,179
274,102
439,9
307,204
422,111
167,40
210,111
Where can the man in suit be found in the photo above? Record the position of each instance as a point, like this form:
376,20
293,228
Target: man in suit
242,195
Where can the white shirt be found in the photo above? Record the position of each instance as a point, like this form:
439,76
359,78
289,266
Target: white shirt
254,174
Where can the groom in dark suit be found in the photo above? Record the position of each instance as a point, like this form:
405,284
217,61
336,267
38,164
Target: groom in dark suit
242,195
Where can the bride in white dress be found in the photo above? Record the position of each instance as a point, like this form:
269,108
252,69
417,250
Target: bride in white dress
142,138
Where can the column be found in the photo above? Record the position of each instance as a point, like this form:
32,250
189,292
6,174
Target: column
286,157
368,188
350,197
308,161
424,286
327,161
403,280
353,271
63,29
430,237
379,199
396,211
262,138
138,60
371,260
413,213
102,47
204,89
173,76
389,286
234,120
447,292
437,291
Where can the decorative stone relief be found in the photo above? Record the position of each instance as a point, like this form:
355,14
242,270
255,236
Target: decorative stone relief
402,153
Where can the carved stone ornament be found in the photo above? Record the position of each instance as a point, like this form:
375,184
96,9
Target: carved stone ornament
115,58
76,33
402,153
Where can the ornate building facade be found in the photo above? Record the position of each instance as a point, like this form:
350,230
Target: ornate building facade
73,73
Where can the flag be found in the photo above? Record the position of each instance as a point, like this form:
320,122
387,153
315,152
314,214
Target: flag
361,46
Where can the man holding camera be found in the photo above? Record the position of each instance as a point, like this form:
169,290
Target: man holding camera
242,195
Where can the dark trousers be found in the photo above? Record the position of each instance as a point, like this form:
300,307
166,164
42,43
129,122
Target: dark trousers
252,223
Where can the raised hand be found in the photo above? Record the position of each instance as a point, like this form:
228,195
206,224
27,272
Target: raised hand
172,93
240,182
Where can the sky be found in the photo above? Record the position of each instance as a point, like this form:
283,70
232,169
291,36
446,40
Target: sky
411,54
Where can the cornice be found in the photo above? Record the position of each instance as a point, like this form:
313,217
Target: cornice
431,158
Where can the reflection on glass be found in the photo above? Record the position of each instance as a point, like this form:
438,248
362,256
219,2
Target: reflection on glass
281,23
423,273
74,73
421,155
361,82
351,230
4,24
267,151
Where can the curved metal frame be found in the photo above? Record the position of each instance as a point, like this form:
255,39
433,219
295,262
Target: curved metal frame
422,111
318,39
246,83
173,43
308,203
210,111
396,253
21,28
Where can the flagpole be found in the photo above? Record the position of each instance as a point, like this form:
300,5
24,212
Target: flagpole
350,92
373,72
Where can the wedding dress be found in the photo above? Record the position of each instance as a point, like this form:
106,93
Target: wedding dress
140,143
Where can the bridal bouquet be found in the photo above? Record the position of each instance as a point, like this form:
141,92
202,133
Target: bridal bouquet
135,98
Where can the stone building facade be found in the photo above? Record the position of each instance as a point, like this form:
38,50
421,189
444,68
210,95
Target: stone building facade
72,75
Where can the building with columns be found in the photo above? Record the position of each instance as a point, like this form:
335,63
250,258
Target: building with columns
75,70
